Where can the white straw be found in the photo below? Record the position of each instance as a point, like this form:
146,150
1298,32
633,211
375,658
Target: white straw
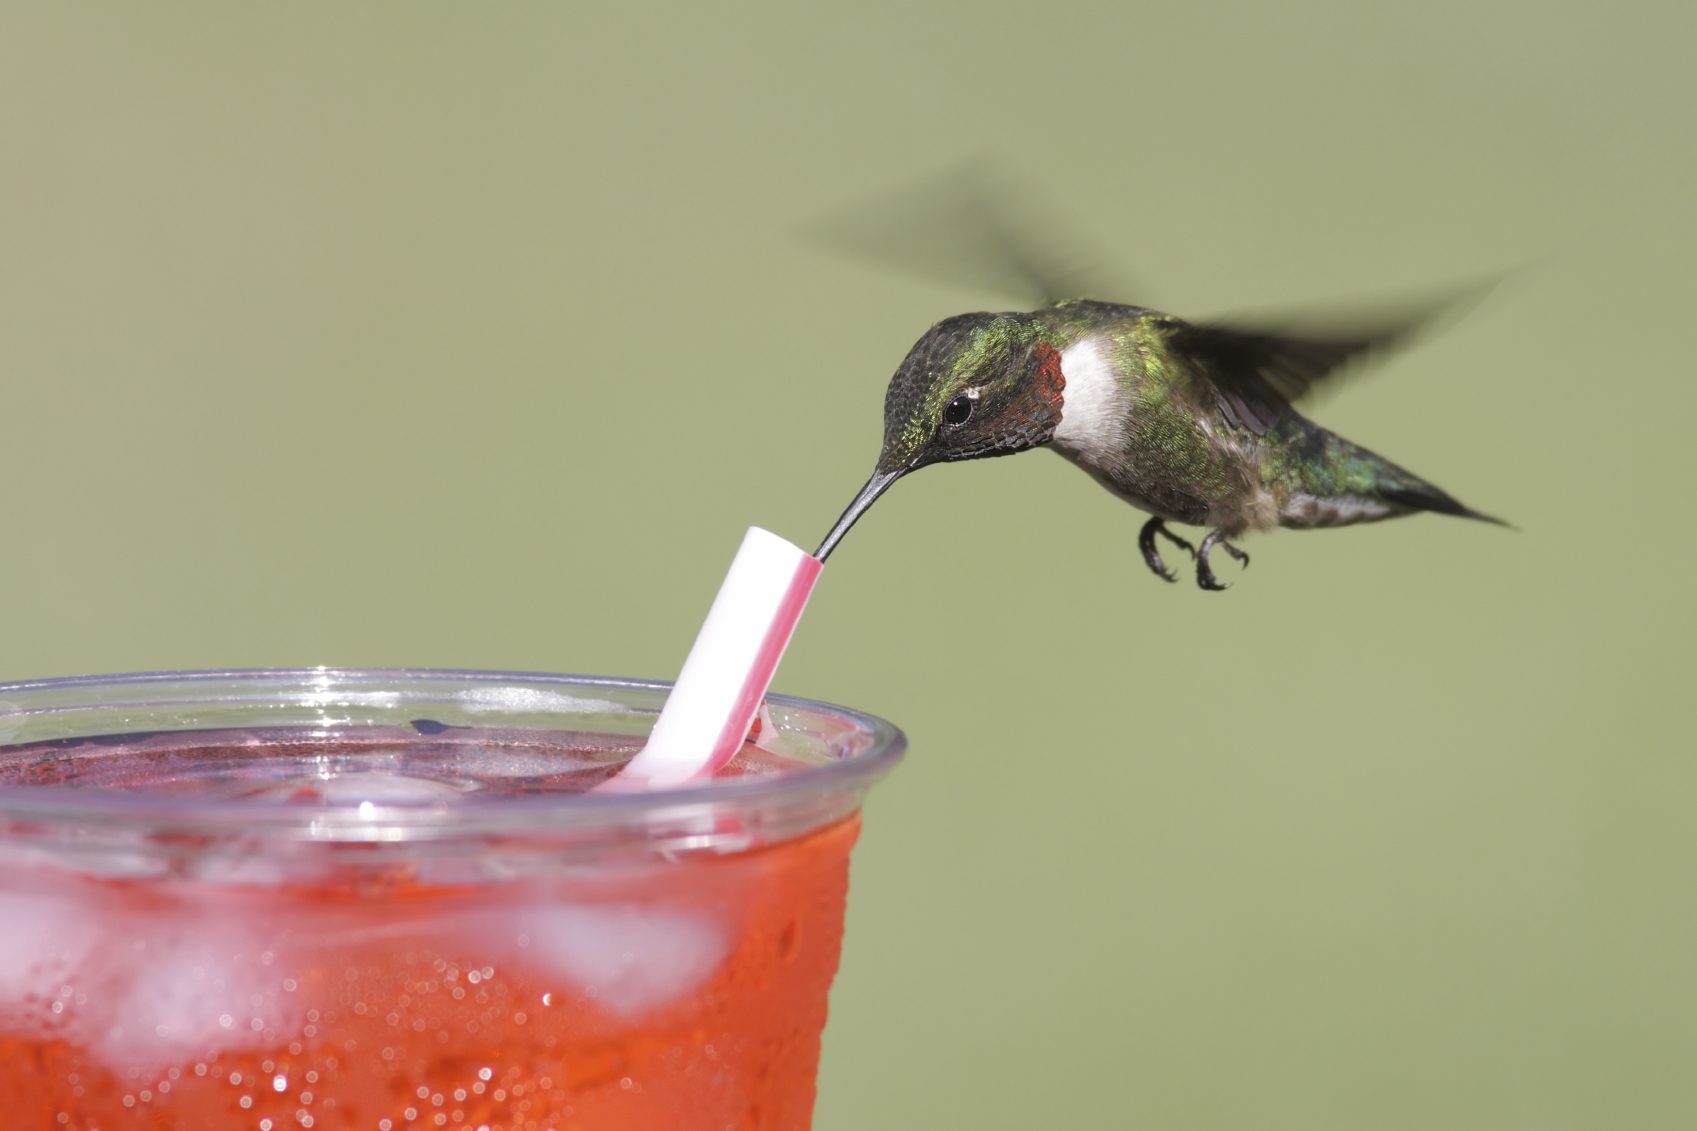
723,681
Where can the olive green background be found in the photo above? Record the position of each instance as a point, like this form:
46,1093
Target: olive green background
474,335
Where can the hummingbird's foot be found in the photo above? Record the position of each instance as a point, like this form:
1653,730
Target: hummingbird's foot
1146,543
1204,571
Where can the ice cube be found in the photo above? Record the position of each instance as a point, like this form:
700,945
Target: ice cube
378,787
382,787
631,958
184,985
44,943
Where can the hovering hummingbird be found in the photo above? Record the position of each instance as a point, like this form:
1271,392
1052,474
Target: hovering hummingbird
1192,423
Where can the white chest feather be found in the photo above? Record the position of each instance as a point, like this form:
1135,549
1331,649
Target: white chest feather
1093,404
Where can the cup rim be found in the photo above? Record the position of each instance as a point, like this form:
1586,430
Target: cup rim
880,745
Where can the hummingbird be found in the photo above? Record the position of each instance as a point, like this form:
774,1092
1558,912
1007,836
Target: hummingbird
1193,423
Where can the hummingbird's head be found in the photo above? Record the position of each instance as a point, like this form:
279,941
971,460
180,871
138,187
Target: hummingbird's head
974,385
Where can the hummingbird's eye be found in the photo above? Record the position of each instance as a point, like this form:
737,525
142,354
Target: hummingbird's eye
958,410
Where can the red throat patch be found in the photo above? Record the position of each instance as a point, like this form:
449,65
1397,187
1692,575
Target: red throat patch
1036,410
1048,380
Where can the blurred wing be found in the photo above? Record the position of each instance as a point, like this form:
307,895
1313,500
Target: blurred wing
1257,371
970,227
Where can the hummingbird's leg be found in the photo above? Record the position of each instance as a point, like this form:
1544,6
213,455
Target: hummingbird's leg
1146,543
1204,571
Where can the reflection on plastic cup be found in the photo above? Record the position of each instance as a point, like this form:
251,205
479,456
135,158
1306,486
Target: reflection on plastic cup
389,900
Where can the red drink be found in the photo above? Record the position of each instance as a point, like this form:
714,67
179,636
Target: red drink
385,924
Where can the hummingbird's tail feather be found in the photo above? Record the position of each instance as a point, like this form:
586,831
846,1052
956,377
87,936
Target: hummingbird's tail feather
1334,482
1420,495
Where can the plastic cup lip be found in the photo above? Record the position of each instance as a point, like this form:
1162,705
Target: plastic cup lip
881,746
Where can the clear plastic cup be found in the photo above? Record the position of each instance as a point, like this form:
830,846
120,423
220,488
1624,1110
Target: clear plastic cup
389,899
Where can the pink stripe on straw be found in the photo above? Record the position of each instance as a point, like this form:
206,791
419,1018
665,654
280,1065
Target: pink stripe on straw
765,664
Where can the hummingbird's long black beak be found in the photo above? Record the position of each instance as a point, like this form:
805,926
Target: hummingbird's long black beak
877,485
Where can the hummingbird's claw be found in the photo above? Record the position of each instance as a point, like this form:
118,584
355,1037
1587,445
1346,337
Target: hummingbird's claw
1146,543
1204,571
